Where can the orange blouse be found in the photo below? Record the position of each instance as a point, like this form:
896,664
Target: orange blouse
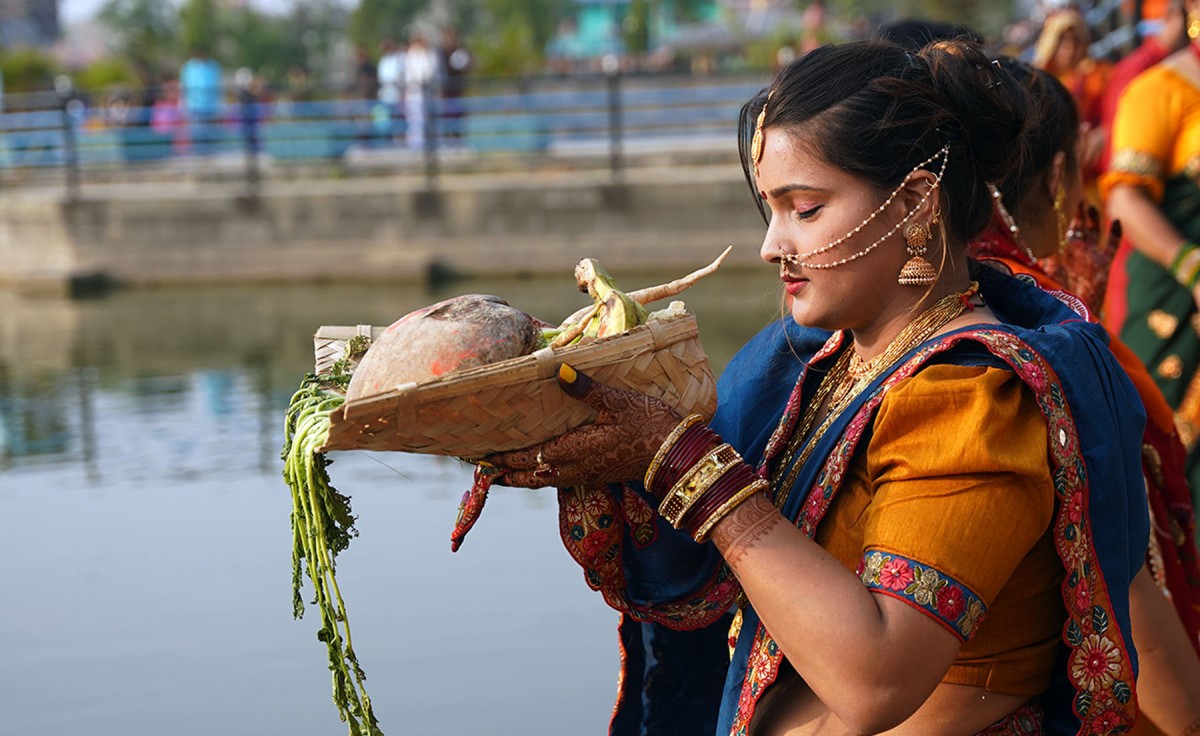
950,509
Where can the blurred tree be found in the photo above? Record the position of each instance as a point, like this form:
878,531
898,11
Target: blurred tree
689,10
525,27
200,27
104,73
27,70
374,20
267,45
143,32
635,28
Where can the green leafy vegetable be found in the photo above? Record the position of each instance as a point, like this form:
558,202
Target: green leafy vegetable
322,526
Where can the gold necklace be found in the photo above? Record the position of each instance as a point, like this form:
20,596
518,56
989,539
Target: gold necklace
849,377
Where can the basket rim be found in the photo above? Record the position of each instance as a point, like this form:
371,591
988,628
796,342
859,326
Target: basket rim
539,365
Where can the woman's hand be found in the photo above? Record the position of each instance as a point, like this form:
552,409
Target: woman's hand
618,446
1082,267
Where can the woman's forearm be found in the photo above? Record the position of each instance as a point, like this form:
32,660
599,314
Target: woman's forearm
1169,678
820,613
1144,224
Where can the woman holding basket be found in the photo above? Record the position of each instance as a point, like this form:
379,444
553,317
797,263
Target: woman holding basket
898,490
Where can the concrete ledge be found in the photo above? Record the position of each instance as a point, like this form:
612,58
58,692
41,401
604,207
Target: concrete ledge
673,218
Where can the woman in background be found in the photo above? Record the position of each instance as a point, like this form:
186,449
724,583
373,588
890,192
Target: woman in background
1026,233
1151,187
1062,50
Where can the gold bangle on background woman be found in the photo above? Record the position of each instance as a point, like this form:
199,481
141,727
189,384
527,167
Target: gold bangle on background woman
1186,265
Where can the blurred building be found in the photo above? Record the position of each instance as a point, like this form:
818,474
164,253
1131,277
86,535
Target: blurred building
28,23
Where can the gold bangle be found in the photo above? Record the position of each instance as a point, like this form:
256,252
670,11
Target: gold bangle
1188,268
724,509
692,486
667,444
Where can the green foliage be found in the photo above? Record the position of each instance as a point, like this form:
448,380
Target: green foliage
374,20
511,35
508,51
143,32
27,70
635,28
690,10
199,27
105,73
268,45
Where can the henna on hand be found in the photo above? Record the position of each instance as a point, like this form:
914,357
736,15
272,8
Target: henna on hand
737,533
618,446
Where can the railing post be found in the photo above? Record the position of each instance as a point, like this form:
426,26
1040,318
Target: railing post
612,73
66,89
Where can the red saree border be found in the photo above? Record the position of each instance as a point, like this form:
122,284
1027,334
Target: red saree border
593,525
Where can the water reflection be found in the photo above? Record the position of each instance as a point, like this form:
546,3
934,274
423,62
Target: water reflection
148,544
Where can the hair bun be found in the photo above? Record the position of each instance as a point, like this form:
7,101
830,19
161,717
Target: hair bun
989,106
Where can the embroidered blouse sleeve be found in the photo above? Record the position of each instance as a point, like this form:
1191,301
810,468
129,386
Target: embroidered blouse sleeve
961,491
1143,135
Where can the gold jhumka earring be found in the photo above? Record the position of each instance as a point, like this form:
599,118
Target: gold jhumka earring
1193,26
1060,217
918,271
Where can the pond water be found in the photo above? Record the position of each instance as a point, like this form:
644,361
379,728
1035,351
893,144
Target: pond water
146,551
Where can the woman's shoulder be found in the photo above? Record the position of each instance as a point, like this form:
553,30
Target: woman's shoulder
1176,75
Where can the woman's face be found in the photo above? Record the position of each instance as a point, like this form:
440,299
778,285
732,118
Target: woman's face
1069,51
813,204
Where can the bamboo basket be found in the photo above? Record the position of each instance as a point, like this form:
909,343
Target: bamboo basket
517,403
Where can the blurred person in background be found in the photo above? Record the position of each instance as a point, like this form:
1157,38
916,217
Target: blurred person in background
456,65
201,97
421,79
1151,187
1171,37
1062,50
366,83
390,75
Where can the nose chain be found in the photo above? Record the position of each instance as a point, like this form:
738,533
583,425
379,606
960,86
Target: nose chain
802,259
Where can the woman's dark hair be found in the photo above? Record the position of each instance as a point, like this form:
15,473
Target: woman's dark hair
875,110
915,33
1055,128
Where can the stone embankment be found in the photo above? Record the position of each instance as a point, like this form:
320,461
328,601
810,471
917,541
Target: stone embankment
671,218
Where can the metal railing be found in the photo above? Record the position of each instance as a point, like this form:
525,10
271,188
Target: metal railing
601,118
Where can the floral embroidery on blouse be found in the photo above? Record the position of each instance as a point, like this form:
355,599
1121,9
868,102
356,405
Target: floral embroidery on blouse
945,599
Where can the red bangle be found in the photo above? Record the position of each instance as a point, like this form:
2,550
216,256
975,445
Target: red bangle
687,451
725,488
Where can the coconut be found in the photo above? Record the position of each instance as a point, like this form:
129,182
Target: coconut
452,335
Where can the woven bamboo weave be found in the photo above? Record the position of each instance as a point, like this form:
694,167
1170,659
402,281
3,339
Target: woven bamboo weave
517,403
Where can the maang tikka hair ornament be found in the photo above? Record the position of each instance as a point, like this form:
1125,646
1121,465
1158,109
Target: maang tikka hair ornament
756,143
802,260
